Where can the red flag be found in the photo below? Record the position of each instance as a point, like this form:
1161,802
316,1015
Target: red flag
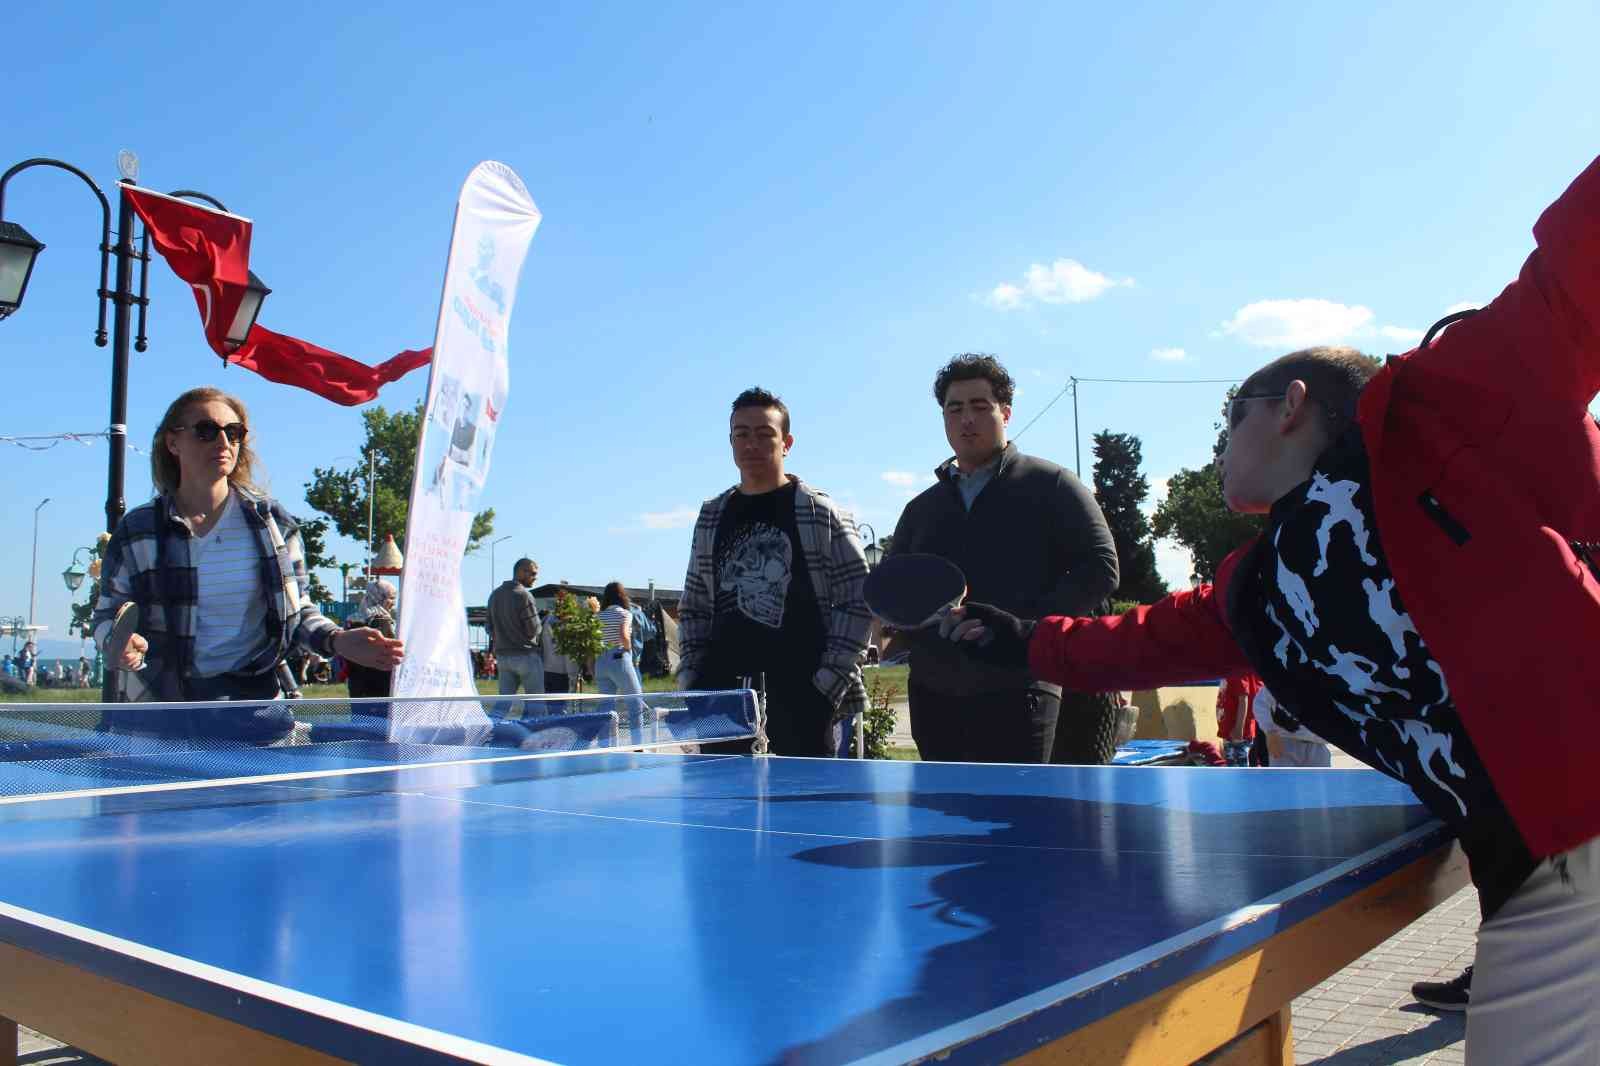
208,249
290,361
211,251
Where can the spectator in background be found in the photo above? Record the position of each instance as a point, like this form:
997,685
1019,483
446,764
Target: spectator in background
643,632
1236,726
613,669
375,612
1289,743
514,630
28,663
774,589
559,671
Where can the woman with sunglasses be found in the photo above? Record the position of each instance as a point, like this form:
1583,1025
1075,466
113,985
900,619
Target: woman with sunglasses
217,570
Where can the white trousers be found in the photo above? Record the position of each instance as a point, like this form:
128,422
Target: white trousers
1536,981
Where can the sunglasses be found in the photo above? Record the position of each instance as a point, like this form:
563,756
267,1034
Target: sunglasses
206,430
1237,409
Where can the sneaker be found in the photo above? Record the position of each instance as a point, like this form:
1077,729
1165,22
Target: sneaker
1445,995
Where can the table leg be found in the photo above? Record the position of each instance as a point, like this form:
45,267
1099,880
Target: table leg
9,1047
1268,1043
1280,1038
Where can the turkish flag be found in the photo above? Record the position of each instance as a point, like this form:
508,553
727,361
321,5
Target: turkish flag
211,251
208,249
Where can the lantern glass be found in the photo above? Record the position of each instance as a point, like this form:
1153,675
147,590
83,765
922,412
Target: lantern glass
18,251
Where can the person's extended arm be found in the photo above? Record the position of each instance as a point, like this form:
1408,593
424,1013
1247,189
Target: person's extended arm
313,630
1181,638
1085,547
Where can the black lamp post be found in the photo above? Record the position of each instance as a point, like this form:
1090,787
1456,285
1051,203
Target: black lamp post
19,250
873,553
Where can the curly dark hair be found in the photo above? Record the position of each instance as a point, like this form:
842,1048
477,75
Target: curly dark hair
974,366
759,397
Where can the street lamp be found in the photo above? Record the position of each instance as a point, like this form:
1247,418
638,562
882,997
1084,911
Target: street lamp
873,553
19,250
74,574
34,572
493,571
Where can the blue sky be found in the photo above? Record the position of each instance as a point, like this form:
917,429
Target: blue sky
827,200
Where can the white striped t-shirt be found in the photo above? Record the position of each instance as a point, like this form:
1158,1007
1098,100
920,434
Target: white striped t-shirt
611,620
231,617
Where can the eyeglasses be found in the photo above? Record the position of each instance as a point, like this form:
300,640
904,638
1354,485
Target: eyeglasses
206,430
1236,408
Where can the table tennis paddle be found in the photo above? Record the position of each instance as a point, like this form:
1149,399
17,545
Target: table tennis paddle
123,625
914,590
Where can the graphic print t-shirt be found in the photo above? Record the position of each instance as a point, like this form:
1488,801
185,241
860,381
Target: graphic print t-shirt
766,616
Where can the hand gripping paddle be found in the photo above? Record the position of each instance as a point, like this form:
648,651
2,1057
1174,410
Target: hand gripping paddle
914,590
123,626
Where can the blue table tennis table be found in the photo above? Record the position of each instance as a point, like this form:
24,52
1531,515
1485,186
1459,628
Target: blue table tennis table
620,907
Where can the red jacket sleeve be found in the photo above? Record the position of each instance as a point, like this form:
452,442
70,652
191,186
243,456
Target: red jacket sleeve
1566,269
1182,638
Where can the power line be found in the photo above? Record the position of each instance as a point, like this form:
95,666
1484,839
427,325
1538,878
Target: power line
1072,387
43,442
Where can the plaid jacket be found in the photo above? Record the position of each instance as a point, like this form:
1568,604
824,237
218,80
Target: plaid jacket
147,561
838,568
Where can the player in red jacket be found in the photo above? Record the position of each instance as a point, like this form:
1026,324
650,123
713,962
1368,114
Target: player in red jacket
1425,597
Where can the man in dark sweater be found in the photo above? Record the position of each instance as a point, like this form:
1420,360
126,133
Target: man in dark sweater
514,629
1028,535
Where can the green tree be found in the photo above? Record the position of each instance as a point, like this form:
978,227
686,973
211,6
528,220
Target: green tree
1194,514
578,633
342,495
313,540
1121,491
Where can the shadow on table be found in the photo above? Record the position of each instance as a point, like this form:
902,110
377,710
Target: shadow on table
1053,887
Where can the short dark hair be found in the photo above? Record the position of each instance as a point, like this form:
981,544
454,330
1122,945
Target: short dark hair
615,595
759,397
524,561
1334,378
975,366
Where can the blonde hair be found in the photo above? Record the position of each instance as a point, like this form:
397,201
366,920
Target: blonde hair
164,472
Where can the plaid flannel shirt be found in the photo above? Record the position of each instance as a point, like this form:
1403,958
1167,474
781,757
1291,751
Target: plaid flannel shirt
838,568
147,561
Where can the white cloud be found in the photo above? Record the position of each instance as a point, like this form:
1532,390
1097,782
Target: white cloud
1174,564
1064,281
1169,355
1158,492
899,478
1464,305
1304,323
1006,297
677,518
1401,333
1296,323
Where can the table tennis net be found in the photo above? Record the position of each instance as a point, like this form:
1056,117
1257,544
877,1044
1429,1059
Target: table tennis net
56,747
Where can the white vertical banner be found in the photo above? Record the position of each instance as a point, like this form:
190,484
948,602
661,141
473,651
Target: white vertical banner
467,386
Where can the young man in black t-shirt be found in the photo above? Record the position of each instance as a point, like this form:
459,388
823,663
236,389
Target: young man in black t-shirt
773,591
